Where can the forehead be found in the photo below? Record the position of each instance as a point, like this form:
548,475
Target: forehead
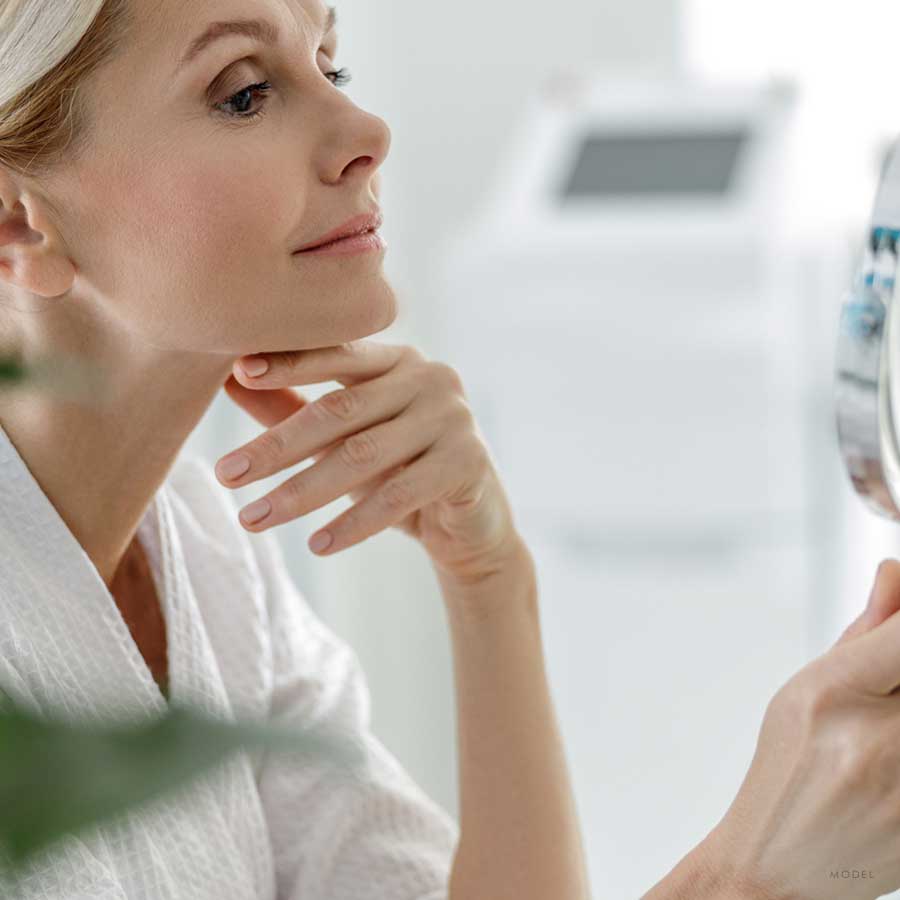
169,26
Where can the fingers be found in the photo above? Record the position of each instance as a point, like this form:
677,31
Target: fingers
870,646
857,627
348,364
884,600
270,407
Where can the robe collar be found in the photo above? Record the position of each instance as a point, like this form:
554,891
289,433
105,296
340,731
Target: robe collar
66,638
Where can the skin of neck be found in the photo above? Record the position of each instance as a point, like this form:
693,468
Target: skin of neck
101,462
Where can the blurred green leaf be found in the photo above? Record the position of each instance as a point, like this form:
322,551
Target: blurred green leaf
69,377
58,778
11,370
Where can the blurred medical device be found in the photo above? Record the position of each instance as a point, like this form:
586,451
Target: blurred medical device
632,320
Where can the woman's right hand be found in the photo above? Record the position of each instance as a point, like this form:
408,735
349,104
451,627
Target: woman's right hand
817,816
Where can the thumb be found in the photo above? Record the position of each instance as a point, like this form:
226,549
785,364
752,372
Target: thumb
267,407
884,601
871,652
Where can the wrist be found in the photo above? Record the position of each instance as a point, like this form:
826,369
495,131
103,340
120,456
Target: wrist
703,874
509,582
723,879
695,877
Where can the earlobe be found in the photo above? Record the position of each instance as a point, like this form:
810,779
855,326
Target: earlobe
46,273
29,256
36,269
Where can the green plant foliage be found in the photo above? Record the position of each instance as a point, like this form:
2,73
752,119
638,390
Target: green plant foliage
59,778
11,371
68,377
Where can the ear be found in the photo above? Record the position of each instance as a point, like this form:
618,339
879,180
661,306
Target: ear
33,256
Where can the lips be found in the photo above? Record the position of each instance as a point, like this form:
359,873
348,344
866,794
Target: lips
357,225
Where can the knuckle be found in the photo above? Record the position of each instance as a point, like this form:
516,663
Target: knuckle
413,353
820,698
469,449
471,446
807,696
397,494
447,375
296,489
353,349
360,451
480,453
341,405
460,412
270,445
285,360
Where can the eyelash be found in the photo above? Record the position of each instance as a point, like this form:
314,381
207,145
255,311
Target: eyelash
341,77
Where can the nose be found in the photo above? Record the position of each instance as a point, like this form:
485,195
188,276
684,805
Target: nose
365,141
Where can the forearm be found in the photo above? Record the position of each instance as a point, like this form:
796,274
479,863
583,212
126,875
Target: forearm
519,832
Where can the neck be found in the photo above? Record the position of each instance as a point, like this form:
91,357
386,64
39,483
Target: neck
100,458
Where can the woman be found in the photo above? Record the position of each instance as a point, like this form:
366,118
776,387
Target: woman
156,179
158,176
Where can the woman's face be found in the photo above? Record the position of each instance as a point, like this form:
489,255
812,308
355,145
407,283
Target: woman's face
182,217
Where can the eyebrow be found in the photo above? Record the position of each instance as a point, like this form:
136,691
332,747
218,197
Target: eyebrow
258,29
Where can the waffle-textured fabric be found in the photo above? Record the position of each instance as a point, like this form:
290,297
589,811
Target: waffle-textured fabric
243,642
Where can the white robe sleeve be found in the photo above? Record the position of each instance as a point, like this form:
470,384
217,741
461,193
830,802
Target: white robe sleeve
375,836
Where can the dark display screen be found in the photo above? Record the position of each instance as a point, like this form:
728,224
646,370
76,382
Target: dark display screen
646,164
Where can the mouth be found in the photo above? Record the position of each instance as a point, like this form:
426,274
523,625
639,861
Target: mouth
361,227
360,243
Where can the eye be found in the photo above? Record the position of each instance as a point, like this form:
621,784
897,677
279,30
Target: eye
239,99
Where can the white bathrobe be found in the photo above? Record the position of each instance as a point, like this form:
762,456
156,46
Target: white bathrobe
242,642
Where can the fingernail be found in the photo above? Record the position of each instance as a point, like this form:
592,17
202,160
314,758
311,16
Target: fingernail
255,367
319,542
234,466
256,511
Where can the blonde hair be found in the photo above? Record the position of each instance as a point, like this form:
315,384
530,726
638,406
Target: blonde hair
47,49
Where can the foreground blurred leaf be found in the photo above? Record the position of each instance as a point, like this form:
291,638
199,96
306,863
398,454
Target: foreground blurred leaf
69,377
11,370
58,778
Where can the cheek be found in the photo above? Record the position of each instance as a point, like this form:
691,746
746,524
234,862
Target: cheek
207,219
190,242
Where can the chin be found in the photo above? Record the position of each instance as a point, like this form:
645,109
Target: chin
392,311
379,315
